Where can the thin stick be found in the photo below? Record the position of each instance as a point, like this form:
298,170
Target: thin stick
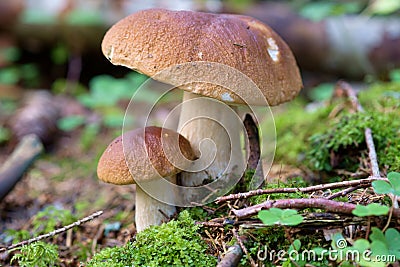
348,90
362,183
55,232
394,199
232,256
22,157
344,192
243,247
372,153
320,203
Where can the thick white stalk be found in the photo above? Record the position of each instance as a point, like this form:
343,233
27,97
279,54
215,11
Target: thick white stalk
203,119
149,211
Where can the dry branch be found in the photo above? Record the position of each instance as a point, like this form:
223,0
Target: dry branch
320,203
361,183
22,157
55,232
232,256
351,94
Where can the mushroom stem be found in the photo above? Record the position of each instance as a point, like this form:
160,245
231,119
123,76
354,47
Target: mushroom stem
149,211
204,119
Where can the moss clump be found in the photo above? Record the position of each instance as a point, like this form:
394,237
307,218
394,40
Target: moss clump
325,141
37,254
343,142
293,126
176,243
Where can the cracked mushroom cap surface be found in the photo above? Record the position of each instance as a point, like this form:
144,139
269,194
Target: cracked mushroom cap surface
149,154
153,40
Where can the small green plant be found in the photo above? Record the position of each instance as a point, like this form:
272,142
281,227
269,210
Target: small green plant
373,209
51,217
16,235
38,254
318,10
380,250
393,187
71,122
176,243
345,137
279,216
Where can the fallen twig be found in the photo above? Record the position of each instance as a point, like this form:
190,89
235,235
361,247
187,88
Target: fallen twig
344,192
24,154
232,256
320,203
349,92
243,247
361,183
55,232
372,153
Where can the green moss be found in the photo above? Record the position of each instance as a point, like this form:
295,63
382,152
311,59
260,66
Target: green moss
345,139
293,126
176,243
38,254
313,137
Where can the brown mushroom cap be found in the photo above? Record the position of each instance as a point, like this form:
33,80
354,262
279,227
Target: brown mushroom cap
146,155
153,40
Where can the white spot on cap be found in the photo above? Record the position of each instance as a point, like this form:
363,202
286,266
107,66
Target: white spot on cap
200,54
273,49
227,97
111,53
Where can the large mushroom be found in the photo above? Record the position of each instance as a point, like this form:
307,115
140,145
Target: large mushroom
150,153
153,40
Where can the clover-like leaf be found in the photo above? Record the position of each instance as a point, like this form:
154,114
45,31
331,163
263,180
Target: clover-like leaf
393,187
279,216
394,178
361,245
373,209
393,240
381,187
379,249
377,235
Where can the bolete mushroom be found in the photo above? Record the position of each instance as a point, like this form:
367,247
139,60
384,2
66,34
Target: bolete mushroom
153,40
143,155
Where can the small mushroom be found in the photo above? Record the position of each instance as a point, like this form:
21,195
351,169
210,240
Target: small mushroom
141,156
154,40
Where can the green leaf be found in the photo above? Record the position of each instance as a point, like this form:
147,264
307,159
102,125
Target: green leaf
322,92
379,248
295,246
384,7
393,240
382,187
361,244
394,75
9,76
279,216
377,235
373,209
394,178
70,123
